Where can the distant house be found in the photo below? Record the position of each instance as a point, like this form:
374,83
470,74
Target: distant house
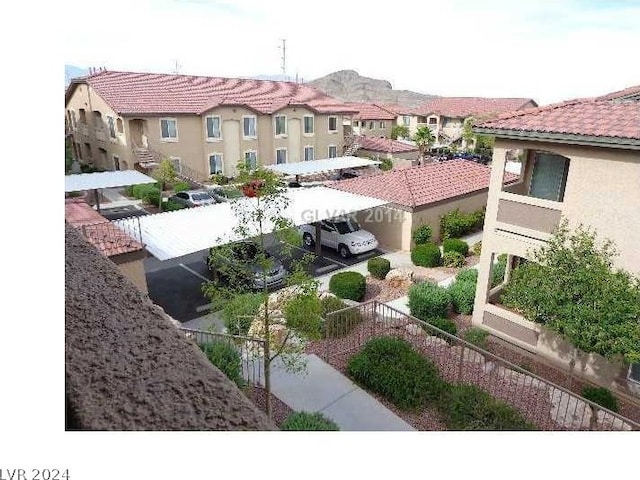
402,154
372,120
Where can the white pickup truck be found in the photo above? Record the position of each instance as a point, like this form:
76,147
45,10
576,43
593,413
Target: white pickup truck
342,233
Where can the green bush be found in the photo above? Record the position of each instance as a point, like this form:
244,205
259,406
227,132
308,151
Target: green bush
379,267
477,336
463,294
351,285
305,421
422,234
139,191
237,314
226,358
392,368
602,397
455,245
181,187
386,165
170,206
341,324
426,255
467,407
455,224
453,259
497,274
427,300
303,313
152,196
445,324
128,190
467,275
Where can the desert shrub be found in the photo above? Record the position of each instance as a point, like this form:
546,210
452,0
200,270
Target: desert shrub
453,259
152,196
455,245
303,313
467,407
224,356
467,275
170,206
444,324
181,187
455,224
476,249
463,294
426,255
477,336
379,267
602,397
497,274
390,367
237,314
422,234
305,421
386,165
427,300
351,285
343,323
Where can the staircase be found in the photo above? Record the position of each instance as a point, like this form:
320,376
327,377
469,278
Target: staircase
352,146
149,159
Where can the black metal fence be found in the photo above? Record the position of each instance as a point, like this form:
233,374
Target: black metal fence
547,405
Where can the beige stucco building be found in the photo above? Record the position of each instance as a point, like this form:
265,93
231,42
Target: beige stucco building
581,161
371,120
206,125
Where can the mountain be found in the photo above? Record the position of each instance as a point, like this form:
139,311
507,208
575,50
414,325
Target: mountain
349,86
71,71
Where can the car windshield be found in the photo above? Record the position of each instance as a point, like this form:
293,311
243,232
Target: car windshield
201,196
347,226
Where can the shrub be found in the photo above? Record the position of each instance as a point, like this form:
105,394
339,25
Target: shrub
339,325
467,407
497,274
226,358
477,336
379,267
139,191
305,421
152,196
463,294
237,314
128,190
170,206
181,187
445,324
426,255
453,259
602,397
476,249
455,223
467,275
392,368
351,285
386,165
455,245
303,313
422,234
427,300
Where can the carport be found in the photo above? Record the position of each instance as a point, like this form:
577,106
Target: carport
312,167
99,180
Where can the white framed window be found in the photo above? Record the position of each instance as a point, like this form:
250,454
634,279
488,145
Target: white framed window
356,123
176,164
281,125
333,151
371,125
169,129
281,155
213,127
215,164
433,120
249,126
382,125
308,153
406,120
309,126
251,159
333,124
112,127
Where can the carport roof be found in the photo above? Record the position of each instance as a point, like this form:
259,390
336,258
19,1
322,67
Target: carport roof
91,181
174,234
311,167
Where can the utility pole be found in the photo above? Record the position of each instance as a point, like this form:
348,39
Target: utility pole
284,58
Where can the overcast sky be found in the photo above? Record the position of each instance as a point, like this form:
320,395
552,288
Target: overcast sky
549,50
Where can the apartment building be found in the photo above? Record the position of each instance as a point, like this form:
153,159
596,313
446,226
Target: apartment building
580,161
206,125
371,120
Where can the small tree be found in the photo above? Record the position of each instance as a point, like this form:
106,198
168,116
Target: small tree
424,139
399,131
467,132
164,173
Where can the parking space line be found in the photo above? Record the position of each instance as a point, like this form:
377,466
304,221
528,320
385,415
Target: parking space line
191,270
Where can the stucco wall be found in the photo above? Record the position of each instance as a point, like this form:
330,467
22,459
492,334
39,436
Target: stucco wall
134,271
389,225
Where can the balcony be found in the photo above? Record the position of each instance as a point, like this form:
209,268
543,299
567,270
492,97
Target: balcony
529,216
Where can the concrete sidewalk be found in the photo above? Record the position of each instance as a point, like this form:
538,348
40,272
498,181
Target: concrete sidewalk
324,389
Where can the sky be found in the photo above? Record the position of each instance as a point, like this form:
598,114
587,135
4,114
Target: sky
546,50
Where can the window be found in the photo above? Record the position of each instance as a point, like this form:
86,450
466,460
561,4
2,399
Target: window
168,129
406,120
371,125
112,127
97,119
83,115
72,118
116,162
634,372
119,125
308,124
281,125
250,159
333,124
213,128
356,123
308,154
281,156
433,121
333,151
382,125
249,127
549,177
215,163
176,164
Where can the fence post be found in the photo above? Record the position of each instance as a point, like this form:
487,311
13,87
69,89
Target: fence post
460,363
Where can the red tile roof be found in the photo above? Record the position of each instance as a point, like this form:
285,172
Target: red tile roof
99,231
385,145
587,117
151,93
396,109
631,93
463,107
418,186
371,111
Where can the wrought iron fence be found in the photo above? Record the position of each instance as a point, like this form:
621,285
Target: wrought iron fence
250,350
547,405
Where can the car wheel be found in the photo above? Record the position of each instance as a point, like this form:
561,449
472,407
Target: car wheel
343,250
308,240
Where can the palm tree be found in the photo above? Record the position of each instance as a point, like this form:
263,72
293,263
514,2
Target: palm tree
424,139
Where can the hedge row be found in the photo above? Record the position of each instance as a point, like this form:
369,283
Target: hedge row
455,224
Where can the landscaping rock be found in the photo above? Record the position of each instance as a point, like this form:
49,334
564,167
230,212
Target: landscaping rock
432,340
399,277
468,355
520,379
606,421
569,411
414,329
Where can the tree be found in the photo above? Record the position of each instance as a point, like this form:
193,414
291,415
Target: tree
467,132
424,139
399,131
164,173
570,287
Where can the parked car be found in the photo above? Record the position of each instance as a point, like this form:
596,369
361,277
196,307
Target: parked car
239,265
193,198
342,233
222,194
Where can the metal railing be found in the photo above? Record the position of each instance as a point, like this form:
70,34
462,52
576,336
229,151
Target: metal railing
131,227
545,404
250,351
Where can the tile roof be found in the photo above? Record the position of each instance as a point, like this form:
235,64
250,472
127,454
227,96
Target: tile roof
385,145
417,186
371,111
462,107
97,230
631,93
586,117
151,93
396,109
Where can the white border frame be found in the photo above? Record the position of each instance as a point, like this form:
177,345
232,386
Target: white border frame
209,155
329,152
313,119
169,139
206,129
329,124
255,122
275,126
286,155
304,151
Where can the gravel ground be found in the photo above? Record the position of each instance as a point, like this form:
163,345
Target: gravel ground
381,291
279,410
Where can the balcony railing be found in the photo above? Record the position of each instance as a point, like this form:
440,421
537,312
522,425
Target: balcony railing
530,216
